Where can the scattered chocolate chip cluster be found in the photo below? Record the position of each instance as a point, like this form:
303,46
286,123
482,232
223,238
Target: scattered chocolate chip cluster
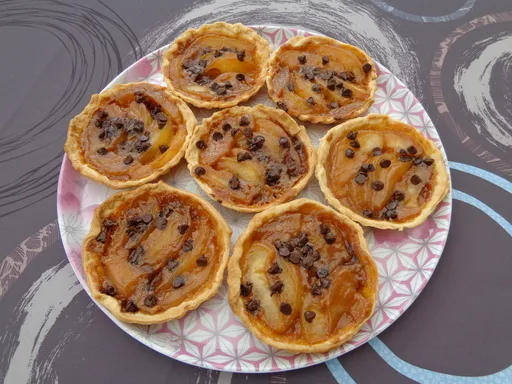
196,69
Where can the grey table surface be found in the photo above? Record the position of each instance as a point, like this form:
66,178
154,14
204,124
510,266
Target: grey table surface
456,56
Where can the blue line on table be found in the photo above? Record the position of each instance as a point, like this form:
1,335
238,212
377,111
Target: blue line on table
489,176
338,372
466,7
425,376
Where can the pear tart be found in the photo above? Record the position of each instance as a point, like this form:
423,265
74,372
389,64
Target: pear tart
129,135
301,277
249,158
155,253
381,172
216,66
321,80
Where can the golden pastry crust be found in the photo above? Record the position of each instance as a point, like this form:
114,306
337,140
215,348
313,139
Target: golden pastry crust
299,343
206,98
80,126
90,259
274,118
366,80
439,181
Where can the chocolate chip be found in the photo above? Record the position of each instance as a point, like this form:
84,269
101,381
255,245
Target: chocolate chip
310,101
102,151
182,228
256,143
302,59
325,59
202,261
282,106
226,127
217,136
242,156
390,214
286,309
284,252
135,255
228,85
333,105
253,306
309,316
171,264
101,237
217,53
221,91
307,262
101,114
385,163
150,301
306,249
107,223
178,282
161,117
108,289
245,289
367,213
294,257
163,148
360,178
129,306
214,86
417,161
309,76
398,196
330,238
234,183
331,84
325,283
147,218
316,291
346,92
188,246
405,158
367,67
284,143
415,179
378,185
143,138
322,272
428,161
302,239
377,151
240,56
275,268
128,160
273,174
366,168
349,153
412,150
352,135
324,228
234,132
240,76
160,223
315,255
244,120
277,287
316,88
199,171
392,205
355,144
291,87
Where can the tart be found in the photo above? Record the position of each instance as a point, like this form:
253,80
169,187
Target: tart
155,253
381,172
129,135
301,277
250,158
321,80
216,66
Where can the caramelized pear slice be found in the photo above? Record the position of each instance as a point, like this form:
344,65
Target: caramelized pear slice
249,171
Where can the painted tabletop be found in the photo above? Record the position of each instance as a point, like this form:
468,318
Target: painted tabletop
456,56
